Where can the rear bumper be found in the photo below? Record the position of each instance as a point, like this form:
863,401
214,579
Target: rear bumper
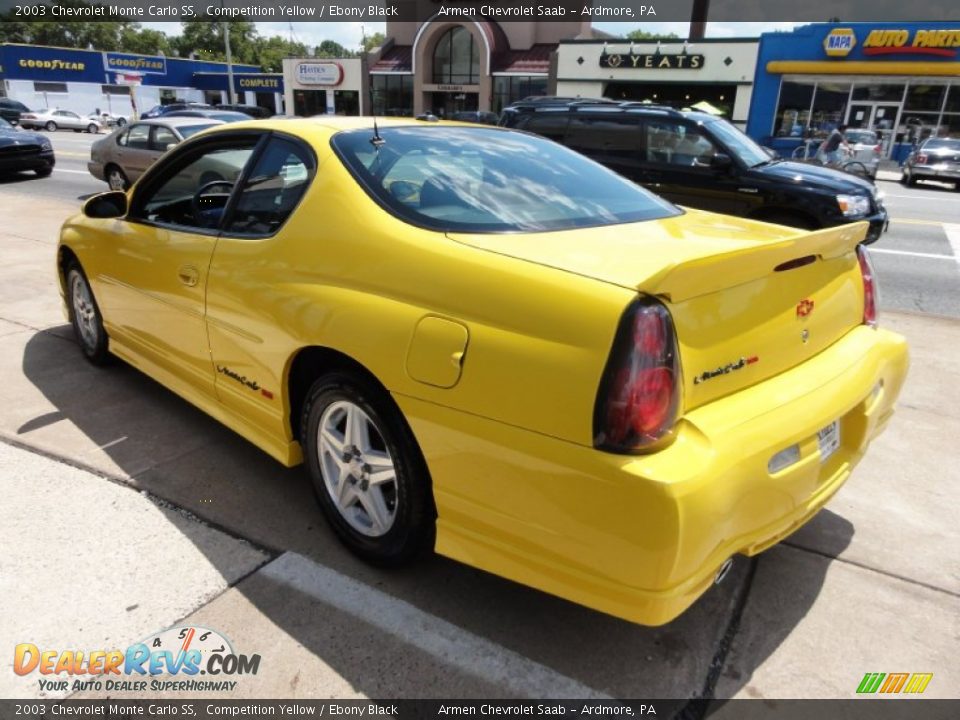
642,537
96,169
935,172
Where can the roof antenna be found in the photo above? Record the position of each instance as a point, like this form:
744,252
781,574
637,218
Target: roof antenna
376,140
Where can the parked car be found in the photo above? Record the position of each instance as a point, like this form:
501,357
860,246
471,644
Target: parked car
702,161
161,110
254,111
215,114
476,116
23,150
53,119
11,110
865,148
124,155
108,119
935,159
481,342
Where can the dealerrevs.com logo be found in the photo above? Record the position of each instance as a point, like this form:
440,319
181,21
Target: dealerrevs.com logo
172,660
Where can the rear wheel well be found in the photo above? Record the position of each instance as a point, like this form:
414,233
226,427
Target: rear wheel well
64,257
308,365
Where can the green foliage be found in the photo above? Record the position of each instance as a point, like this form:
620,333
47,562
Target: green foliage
373,41
646,35
332,49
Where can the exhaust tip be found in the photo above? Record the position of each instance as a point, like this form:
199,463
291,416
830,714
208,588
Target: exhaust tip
722,572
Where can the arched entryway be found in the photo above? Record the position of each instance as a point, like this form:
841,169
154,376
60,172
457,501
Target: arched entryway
451,63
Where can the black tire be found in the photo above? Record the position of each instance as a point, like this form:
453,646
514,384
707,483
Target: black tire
93,340
121,122
908,179
51,126
93,129
413,524
43,172
116,178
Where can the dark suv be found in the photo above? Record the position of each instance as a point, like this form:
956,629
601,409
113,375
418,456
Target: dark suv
701,161
10,110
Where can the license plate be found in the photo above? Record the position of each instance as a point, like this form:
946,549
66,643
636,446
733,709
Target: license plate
829,440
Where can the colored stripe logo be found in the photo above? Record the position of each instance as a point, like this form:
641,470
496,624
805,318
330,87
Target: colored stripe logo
889,683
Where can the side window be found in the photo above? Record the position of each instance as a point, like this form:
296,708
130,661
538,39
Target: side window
122,138
599,137
272,189
193,191
549,125
138,137
162,137
673,143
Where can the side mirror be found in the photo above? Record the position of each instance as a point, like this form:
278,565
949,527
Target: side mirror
721,161
106,205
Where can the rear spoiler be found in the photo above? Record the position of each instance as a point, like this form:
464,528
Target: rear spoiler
704,275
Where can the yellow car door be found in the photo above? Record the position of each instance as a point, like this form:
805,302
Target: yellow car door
247,346
154,273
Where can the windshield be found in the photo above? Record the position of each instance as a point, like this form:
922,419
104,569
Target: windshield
739,144
941,144
486,180
189,130
861,137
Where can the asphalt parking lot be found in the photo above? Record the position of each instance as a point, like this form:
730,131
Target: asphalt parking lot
127,511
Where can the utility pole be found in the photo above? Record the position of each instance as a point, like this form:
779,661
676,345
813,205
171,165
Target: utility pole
226,39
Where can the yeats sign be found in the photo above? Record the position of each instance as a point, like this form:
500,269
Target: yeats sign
655,61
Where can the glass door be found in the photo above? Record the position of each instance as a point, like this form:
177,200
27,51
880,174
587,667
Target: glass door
881,117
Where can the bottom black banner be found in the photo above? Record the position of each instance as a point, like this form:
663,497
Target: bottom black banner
855,709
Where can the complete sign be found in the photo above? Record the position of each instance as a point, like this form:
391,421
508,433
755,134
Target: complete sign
655,61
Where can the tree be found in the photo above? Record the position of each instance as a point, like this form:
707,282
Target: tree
333,49
373,41
646,35
272,50
145,41
204,39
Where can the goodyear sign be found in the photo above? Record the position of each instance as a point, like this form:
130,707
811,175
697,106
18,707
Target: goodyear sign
839,42
128,63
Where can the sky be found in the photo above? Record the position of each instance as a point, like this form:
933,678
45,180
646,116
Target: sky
349,34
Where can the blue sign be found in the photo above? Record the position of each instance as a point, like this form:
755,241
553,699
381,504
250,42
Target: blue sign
143,64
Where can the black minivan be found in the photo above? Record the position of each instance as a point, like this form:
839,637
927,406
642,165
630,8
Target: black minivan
701,161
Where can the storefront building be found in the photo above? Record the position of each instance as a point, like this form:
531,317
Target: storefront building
671,72
325,87
84,80
454,63
901,80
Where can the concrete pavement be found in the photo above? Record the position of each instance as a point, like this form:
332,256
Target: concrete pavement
228,539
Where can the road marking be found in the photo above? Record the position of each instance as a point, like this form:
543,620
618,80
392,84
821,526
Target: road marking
921,197
953,236
452,645
912,254
60,153
906,221
75,172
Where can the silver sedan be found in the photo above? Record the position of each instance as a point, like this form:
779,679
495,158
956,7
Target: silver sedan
52,119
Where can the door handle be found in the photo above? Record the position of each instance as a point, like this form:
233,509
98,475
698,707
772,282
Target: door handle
188,275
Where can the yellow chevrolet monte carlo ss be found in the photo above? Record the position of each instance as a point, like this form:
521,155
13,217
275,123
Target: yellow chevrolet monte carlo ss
480,342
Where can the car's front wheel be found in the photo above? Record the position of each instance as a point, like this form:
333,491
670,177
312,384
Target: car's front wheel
85,316
367,470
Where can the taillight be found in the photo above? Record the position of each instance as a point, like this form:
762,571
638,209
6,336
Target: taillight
877,149
922,159
639,396
870,293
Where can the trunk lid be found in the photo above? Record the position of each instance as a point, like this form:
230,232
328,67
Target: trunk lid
744,307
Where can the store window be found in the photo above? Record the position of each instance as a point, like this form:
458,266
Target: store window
829,107
456,58
793,111
392,95
509,89
953,99
169,95
307,103
879,92
925,98
346,102
115,89
50,87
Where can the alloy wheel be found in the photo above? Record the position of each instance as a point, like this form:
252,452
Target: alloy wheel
84,310
358,471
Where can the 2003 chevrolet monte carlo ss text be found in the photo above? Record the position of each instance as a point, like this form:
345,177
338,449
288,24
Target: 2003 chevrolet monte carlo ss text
479,341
